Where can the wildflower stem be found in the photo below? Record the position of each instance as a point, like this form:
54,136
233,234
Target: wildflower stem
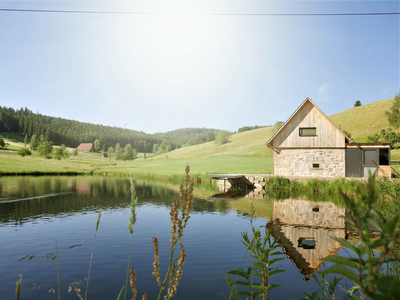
91,256
168,271
127,271
58,273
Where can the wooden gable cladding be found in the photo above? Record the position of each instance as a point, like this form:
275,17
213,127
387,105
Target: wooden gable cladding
308,115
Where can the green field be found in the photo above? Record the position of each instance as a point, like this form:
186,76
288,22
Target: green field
245,153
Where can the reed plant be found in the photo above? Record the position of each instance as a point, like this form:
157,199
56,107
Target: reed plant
179,214
179,221
91,255
374,261
130,273
18,288
264,250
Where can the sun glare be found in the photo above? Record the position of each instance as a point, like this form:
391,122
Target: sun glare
177,34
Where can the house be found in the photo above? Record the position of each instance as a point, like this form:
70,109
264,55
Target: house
86,147
309,144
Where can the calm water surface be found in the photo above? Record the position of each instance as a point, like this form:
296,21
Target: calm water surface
38,214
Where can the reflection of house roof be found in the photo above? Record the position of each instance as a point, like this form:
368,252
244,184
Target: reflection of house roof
305,228
307,260
85,147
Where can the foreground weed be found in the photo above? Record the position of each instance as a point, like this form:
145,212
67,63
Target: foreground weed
262,250
18,288
130,273
327,288
91,256
58,273
179,221
371,256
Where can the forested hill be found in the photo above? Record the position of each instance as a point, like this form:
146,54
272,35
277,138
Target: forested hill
72,133
189,136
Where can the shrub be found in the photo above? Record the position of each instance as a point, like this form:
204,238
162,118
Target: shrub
24,152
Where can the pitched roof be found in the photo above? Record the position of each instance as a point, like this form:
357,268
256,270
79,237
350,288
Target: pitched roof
295,112
85,146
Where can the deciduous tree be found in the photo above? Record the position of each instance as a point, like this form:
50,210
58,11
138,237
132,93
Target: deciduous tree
118,151
57,153
222,137
155,148
129,153
393,113
45,149
34,143
97,145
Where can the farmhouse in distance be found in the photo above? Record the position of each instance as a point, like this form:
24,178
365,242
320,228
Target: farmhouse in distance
86,147
310,144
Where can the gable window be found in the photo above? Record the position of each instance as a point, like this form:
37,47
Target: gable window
308,131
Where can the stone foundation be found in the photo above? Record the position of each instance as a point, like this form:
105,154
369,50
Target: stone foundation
305,213
310,162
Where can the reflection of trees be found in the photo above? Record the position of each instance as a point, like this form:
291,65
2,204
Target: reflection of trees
63,195
305,229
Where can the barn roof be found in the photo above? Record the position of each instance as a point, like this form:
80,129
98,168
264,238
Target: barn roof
296,111
85,147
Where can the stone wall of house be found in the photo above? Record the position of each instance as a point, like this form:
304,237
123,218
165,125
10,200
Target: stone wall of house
301,162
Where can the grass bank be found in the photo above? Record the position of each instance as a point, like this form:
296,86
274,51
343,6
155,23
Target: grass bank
171,169
245,153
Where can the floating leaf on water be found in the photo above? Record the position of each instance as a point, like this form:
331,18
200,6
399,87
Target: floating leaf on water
23,257
47,256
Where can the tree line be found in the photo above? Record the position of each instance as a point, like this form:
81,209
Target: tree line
71,133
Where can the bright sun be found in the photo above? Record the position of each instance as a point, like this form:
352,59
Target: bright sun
177,34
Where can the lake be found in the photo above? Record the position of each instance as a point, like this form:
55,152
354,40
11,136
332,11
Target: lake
41,214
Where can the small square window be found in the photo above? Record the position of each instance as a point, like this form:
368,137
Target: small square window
310,131
306,242
315,166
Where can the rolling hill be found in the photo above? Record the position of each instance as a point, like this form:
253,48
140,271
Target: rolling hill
364,120
359,121
249,143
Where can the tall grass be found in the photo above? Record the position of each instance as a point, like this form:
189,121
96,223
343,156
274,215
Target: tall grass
131,223
91,256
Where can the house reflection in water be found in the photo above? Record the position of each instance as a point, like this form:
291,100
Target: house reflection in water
305,228
84,189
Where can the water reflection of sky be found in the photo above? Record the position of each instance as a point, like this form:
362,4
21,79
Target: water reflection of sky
212,238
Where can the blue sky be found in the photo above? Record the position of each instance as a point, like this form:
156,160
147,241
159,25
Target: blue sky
160,72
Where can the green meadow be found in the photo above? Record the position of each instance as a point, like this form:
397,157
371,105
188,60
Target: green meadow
245,153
